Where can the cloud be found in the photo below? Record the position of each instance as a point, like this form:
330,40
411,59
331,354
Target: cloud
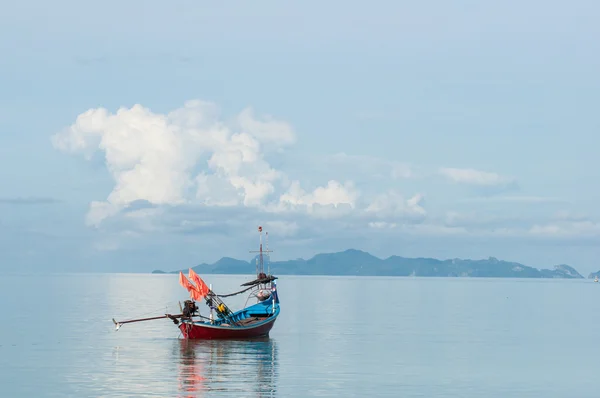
393,206
520,199
569,216
533,226
475,177
566,229
482,222
146,154
153,157
381,225
190,172
269,132
334,194
191,156
481,182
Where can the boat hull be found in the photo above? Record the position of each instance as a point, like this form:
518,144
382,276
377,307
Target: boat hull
205,331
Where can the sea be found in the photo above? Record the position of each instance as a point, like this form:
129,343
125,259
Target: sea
336,336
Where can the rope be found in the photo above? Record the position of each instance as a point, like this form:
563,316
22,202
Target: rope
233,294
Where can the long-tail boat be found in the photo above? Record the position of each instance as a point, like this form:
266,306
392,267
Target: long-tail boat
252,321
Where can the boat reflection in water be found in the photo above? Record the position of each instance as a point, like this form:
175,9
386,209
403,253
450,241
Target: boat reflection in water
239,367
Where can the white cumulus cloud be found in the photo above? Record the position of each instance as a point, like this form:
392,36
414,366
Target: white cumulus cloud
190,156
152,156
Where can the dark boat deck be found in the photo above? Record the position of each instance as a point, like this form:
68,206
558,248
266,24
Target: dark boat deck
247,321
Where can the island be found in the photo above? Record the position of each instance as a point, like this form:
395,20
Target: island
594,275
359,263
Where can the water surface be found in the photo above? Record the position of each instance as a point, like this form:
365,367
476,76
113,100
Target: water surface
336,336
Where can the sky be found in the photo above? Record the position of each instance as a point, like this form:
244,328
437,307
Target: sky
159,135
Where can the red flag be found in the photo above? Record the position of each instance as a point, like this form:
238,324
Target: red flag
194,293
183,281
201,287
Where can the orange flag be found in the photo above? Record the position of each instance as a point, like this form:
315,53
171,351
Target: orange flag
197,292
201,287
183,281
194,292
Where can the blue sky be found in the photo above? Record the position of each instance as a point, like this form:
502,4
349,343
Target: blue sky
142,135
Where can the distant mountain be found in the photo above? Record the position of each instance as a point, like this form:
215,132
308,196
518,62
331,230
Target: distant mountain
594,274
357,262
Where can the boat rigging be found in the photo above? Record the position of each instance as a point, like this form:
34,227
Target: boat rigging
255,320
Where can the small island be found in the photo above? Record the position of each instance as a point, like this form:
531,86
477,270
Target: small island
594,275
360,263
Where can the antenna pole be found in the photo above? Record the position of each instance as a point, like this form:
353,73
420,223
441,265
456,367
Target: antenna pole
260,268
268,255
261,251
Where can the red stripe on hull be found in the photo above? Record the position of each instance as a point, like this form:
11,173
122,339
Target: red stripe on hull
207,332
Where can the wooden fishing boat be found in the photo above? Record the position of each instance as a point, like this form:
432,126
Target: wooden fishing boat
252,321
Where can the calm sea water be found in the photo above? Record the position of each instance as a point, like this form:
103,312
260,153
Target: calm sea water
336,336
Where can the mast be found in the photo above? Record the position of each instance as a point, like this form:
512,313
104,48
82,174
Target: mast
260,266
268,255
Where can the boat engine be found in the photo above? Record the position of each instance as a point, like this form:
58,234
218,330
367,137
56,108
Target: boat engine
189,308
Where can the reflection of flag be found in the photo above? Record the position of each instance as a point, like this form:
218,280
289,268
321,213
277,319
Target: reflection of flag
191,371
